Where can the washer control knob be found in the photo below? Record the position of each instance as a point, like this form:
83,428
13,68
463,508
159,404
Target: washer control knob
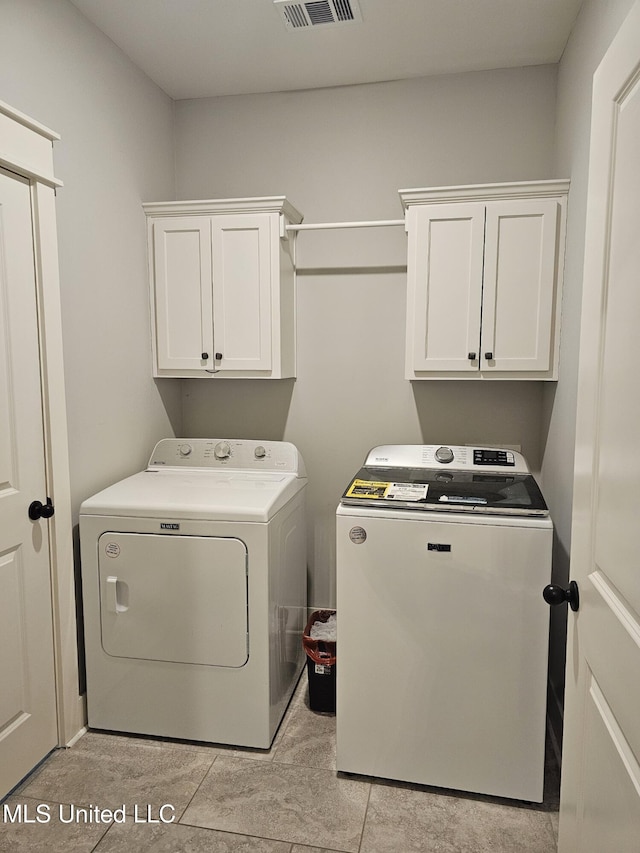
222,450
185,450
260,452
444,455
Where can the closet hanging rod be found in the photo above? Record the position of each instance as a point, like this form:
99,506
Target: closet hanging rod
318,226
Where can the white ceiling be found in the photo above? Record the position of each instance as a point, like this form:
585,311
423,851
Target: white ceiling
203,48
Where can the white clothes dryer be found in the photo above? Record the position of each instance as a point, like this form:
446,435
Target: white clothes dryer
194,590
442,555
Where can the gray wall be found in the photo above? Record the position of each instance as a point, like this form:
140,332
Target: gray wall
596,26
342,154
116,151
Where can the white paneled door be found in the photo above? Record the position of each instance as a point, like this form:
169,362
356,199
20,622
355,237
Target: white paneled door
600,800
27,690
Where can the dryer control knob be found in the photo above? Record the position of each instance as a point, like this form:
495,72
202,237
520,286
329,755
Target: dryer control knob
185,449
260,452
222,450
444,455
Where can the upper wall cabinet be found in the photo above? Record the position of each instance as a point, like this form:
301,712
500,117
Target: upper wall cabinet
484,274
222,288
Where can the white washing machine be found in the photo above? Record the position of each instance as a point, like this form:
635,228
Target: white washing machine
442,555
194,589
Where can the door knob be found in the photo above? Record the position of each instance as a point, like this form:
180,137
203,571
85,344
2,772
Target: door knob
39,510
554,594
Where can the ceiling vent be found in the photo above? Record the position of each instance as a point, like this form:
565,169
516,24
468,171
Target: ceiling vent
303,15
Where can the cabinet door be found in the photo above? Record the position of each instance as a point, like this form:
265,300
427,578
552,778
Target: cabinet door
445,287
519,284
242,282
183,309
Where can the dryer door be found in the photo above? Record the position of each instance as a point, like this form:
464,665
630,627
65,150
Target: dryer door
181,599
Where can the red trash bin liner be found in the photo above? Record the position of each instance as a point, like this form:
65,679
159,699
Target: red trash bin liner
320,651
321,666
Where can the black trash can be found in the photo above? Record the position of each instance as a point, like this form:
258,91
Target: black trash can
321,665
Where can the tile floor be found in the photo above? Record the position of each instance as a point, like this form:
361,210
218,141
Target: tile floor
288,799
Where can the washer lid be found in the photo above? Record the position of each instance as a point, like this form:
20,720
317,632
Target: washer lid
452,491
454,479
215,495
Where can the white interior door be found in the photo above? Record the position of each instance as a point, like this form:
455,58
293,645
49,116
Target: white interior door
600,798
27,694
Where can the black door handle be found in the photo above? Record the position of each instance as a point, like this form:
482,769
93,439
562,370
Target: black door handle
39,510
554,594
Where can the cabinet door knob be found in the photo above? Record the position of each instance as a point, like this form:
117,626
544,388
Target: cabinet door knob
204,356
472,356
488,356
218,356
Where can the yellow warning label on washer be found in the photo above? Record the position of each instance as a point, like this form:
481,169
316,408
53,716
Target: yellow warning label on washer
368,490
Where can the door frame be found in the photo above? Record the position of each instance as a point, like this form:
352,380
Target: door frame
27,150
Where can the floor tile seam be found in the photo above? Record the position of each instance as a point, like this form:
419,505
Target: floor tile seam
273,762
312,847
283,747
305,765
198,786
206,766
231,834
182,822
106,829
46,800
285,722
243,834
279,738
331,770
237,752
366,812
101,839
552,828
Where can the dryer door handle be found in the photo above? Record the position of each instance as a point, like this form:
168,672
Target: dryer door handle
115,590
